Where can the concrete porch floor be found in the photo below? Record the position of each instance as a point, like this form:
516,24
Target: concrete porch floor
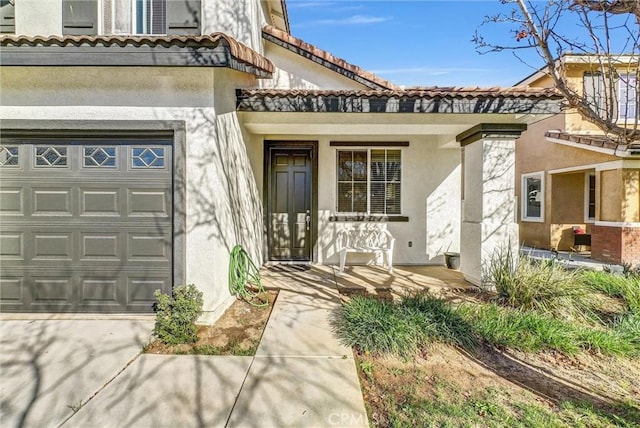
367,279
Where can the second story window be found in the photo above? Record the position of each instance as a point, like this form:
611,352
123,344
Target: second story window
151,16
171,17
614,97
628,96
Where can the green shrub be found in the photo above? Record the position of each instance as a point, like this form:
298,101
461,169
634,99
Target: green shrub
176,314
544,286
623,287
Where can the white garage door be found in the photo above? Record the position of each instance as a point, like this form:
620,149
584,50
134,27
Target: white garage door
85,226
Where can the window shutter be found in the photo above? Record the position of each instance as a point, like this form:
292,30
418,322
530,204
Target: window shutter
592,90
7,17
80,17
183,17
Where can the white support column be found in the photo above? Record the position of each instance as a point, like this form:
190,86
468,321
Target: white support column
489,205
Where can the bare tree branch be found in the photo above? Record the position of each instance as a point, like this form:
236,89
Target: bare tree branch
604,29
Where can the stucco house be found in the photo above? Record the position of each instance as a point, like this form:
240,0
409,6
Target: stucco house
569,176
142,140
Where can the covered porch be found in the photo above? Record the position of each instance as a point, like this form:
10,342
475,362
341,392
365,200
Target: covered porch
447,162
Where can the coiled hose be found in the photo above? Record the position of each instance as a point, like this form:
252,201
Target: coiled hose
244,279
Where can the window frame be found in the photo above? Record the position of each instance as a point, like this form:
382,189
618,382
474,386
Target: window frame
368,150
144,19
587,199
524,196
624,89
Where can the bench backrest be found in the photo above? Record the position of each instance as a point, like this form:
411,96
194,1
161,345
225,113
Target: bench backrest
365,238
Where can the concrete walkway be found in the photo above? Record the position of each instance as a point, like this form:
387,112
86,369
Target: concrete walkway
90,373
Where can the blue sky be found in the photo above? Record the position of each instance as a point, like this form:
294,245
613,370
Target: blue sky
420,42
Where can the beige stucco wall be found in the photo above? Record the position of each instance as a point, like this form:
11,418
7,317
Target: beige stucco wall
631,195
533,154
610,186
222,201
574,122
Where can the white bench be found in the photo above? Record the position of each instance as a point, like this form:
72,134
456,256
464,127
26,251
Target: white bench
366,241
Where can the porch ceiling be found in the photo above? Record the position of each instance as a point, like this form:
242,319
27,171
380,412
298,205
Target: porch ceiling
446,126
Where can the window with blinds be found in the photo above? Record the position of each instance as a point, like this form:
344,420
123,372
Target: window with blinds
171,17
628,96
151,16
369,181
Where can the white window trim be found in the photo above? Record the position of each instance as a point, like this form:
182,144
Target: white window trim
619,100
588,219
524,197
368,150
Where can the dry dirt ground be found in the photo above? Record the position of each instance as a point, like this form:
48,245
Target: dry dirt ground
545,380
237,332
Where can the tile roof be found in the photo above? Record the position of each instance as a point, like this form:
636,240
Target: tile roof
593,140
238,51
324,58
516,100
418,92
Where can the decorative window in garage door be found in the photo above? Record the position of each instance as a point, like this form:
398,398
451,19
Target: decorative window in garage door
51,157
9,156
97,157
147,157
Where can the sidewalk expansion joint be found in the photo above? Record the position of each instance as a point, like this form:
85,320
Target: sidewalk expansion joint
84,403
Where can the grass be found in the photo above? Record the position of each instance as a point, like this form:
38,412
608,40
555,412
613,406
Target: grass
537,307
545,287
623,287
381,327
417,398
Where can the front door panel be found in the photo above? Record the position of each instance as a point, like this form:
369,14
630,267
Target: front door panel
289,207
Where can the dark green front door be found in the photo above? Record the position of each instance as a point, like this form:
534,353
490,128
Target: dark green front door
289,204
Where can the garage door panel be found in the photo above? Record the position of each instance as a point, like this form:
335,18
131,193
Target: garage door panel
55,201
85,227
52,289
12,201
11,245
103,202
151,202
57,246
96,290
11,289
100,245
148,246
141,289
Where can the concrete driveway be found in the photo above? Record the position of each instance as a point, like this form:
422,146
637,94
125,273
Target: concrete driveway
48,368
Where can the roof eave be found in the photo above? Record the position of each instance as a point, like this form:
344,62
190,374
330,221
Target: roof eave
216,50
399,102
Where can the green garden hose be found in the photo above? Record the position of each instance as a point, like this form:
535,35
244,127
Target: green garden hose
244,278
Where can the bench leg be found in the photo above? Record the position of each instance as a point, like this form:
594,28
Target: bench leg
343,259
390,261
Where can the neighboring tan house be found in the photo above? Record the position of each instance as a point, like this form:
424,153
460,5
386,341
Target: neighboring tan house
572,177
143,139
